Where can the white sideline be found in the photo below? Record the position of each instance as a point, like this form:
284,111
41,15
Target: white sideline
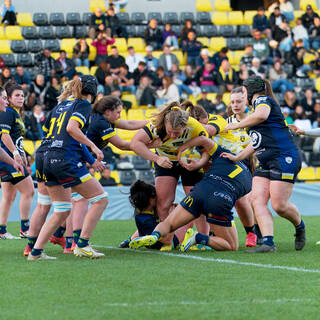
229,261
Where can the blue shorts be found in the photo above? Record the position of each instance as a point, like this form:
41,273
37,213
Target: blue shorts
65,172
9,174
40,156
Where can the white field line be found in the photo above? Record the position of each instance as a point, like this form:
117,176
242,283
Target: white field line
217,260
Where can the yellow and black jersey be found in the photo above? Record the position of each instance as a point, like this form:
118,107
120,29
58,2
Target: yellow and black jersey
170,147
242,133
227,140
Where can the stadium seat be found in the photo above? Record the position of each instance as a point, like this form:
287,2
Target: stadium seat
46,32
234,44
140,163
138,18
306,174
30,33
314,159
131,31
25,59
121,44
123,114
149,112
93,70
35,45
244,30
308,57
181,57
84,70
227,31
147,176
67,45
298,14
210,30
73,18
137,43
93,50
317,174
115,175
177,29
237,55
29,147
63,32
203,5
24,19
226,98
13,33
2,35
124,17
318,84
86,17
219,18
204,41
81,32
170,17
248,16
222,5
235,17
140,30
127,177
305,3
217,43
155,15
134,114
5,46
18,46
203,18
40,19
97,4
52,45
198,30
9,59
186,16
245,41
57,19
211,96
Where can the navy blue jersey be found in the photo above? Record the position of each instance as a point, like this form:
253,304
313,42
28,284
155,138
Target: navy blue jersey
61,141
45,141
12,124
100,130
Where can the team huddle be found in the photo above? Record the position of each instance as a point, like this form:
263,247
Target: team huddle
243,162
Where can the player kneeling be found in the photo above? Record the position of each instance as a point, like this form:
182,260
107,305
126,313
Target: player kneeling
214,196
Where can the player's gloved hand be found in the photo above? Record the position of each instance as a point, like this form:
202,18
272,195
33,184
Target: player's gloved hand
164,162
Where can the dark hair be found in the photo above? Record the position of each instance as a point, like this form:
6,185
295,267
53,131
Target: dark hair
142,63
63,51
195,111
114,47
106,103
124,65
140,194
2,90
11,86
224,50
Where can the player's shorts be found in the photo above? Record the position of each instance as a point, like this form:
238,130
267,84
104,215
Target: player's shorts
188,178
283,168
40,156
65,172
9,174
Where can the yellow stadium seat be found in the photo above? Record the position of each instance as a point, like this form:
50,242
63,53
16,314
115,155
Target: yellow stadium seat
248,16
119,151
24,19
307,174
28,146
305,3
157,54
226,98
217,43
230,57
317,173
93,70
126,134
204,5
115,175
67,44
308,57
92,50
121,44
318,84
137,43
55,55
181,57
132,98
5,46
219,18
83,70
13,33
237,55
97,4
97,175
298,13
2,35
211,96
123,114
204,40
135,114
235,17
222,5
149,112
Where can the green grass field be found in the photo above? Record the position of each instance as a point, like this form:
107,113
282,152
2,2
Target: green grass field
146,284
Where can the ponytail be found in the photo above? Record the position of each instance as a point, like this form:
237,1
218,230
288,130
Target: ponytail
269,91
72,88
195,111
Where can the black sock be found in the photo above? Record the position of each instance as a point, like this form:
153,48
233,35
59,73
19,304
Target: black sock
249,229
257,231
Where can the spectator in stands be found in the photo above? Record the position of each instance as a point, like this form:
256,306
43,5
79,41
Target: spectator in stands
261,23
115,60
145,92
206,103
221,108
22,77
191,81
158,76
260,46
133,59
308,17
34,123
248,55
47,66
300,119
178,78
286,9
6,75
202,58
316,111
109,85
8,13
188,26
37,91
101,43
114,23
308,101
315,64
314,34
287,115
243,73
218,57
300,32
106,179
167,59
256,69
290,100
102,71
150,60
67,66
297,53
276,18
126,79
169,93
52,93
191,47
282,34
81,52
97,23
169,37
227,77
139,72
207,77
274,52
278,79
117,93
153,35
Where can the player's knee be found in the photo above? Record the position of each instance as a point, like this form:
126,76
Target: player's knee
101,200
279,206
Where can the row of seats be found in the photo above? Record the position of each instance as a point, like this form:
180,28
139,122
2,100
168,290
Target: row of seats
309,174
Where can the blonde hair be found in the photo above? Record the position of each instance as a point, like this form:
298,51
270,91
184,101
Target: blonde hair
71,88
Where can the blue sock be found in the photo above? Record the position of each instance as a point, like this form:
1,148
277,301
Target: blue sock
59,232
202,239
76,235
3,229
36,252
82,242
25,225
268,240
301,225
69,242
156,234
32,241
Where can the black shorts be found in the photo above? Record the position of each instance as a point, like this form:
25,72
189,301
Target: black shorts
9,174
40,156
188,178
214,200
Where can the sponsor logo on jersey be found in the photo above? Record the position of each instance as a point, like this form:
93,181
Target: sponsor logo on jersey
288,160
